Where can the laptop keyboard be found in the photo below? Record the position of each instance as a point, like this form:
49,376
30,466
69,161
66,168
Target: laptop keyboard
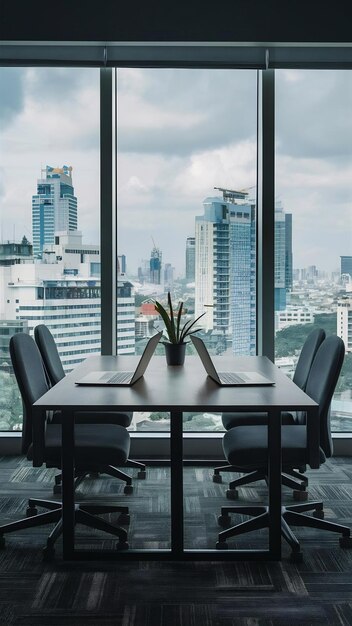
120,377
230,378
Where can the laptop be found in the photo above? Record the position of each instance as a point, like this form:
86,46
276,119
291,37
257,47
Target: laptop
233,379
120,378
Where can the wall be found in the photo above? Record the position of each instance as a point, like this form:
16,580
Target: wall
156,20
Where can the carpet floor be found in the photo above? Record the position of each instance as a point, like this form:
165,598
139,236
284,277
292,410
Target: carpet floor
317,591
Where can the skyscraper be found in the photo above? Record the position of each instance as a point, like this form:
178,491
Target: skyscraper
54,207
346,265
283,256
155,266
190,258
225,269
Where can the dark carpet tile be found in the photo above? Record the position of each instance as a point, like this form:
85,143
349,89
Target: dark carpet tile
34,593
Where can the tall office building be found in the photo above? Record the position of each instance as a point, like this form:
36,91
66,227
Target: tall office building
225,269
54,207
288,252
190,258
62,290
344,321
155,266
283,256
168,277
121,264
346,265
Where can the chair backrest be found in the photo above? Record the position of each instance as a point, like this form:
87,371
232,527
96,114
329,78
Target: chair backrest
306,358
51,358
321,384
30,375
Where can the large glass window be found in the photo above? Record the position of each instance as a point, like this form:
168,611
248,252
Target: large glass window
186,215
313,225
49,201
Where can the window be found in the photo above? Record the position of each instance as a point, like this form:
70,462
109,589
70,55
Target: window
313,273
186,210
50,216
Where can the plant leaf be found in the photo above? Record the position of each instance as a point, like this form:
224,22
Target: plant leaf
165,317
172,319
186,331
178,322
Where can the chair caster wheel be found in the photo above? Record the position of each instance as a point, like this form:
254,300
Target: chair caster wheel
296,557
122,545
128,489
2,542
345,542
319,514
224,521
124,519
300,496
221,545
217,478
57,490
142,475
232,494
48,553
31,511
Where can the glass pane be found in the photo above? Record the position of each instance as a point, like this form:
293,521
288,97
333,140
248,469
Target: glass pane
187,210
313,255
49,200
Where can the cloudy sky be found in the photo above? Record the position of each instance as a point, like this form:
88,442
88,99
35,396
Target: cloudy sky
180,134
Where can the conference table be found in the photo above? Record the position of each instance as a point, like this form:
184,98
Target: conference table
176,389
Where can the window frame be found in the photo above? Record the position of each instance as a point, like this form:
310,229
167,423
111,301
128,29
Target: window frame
264,58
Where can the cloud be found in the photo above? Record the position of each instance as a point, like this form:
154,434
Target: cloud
11,94
178,112
313,117
180,133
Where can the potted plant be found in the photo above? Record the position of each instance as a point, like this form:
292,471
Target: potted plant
175,347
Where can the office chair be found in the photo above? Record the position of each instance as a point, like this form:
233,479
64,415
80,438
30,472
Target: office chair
245,448
108,445
55,372
291,478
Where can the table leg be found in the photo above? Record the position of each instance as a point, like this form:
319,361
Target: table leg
68,496
176,468
274,471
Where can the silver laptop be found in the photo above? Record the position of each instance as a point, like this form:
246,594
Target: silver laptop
227,378
121,377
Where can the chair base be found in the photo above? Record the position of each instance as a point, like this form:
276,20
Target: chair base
84,514
110,470
289,477
290,515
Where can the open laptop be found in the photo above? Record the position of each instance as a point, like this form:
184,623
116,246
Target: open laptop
227,378
122,377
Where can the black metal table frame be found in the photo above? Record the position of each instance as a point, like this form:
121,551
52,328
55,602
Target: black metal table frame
177,550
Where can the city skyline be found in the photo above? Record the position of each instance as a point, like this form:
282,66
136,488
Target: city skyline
172,152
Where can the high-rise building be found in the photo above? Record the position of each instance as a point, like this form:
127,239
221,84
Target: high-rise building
62,290
54,207
288,252
225,269
155,266
283,256
168,277
121,264
346,265
190,258
344,322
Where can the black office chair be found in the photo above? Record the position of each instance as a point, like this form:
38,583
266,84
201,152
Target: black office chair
55,372
245,448
102,446
291,478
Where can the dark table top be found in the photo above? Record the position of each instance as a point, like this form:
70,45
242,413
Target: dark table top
185,388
